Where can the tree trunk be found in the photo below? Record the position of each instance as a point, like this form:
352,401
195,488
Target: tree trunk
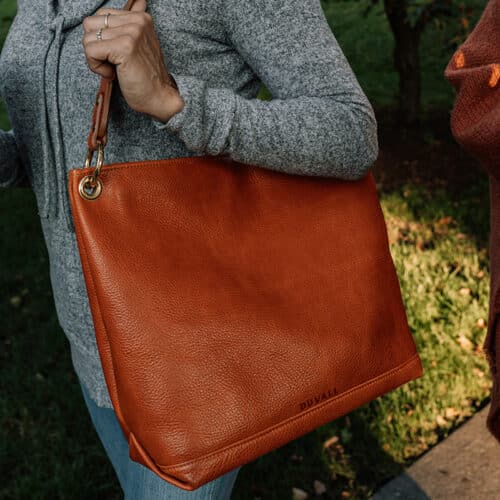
406,60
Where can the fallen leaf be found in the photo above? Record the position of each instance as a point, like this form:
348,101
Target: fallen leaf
451,413
479,351
464,342
298,494
330,441
319,487
445,221
15,301
440,421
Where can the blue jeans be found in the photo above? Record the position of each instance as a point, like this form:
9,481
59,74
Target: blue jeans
137,481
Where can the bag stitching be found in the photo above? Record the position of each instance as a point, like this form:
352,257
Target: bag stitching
295,417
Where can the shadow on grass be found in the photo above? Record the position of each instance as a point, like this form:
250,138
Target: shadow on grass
346,467
428,159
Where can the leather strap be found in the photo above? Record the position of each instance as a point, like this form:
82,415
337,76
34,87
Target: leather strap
100,114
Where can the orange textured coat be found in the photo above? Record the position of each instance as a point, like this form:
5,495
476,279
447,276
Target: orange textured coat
474,71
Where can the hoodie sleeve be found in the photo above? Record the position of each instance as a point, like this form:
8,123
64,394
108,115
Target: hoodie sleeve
11,170
474,71
319,121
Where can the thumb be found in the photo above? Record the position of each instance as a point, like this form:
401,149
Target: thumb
139,5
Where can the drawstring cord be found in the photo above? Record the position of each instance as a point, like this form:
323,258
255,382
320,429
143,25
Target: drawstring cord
61,171
50,167
54,168
54,176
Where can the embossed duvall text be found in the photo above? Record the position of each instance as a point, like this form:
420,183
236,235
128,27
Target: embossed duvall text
318,398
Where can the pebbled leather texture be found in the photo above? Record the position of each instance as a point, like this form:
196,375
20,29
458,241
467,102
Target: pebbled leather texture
236,308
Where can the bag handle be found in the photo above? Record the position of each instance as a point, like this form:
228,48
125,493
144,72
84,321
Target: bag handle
98,130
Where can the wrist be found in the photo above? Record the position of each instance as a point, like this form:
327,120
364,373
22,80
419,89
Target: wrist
168,103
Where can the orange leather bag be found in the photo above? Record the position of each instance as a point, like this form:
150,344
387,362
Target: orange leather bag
235,308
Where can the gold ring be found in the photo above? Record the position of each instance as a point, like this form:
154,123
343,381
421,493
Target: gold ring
106,20
98,34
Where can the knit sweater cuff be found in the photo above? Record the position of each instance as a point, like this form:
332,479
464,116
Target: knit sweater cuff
204,122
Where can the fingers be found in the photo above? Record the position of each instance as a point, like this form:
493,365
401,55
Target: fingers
132,29
139,5
102,56
117,45
117,18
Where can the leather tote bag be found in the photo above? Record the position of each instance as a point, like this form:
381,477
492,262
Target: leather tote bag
235,308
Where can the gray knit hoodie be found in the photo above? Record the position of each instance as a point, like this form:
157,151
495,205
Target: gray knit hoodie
219,51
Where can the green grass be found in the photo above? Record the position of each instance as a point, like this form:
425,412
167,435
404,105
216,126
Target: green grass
438,234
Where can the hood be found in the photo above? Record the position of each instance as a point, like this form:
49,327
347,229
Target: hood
61,15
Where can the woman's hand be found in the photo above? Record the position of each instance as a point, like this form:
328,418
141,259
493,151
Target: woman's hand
131,44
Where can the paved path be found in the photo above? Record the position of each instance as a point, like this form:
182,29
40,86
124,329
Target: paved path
465,466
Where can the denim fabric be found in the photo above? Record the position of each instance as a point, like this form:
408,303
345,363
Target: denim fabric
137,481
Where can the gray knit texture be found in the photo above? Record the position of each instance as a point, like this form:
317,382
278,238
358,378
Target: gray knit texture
318,123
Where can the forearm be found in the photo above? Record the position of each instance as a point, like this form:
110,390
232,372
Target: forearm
324,135
319,136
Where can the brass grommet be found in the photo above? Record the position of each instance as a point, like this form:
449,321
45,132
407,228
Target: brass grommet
88,182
